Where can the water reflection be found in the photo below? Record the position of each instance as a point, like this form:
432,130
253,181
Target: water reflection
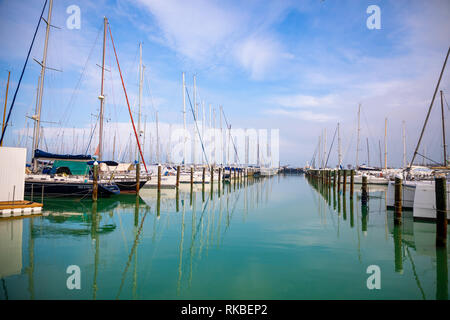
218,241
412,240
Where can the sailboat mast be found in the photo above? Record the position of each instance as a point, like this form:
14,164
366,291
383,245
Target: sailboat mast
324,146
157,138
6,101
443,131
385,143
357,140
37,123
102,96
184,120
339,146
138,156
368,154
404,144
195,116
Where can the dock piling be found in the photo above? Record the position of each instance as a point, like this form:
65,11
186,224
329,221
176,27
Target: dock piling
178,177
159,177
94,183
398,201
364,191
441,211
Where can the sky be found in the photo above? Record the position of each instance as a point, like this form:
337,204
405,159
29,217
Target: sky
297,66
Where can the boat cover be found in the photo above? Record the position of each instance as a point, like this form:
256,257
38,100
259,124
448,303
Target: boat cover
47,155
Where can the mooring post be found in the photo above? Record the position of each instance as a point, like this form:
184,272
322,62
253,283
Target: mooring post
94,182
42,195
344,186
440,186
219,177
398,201
192,177
31,192
364,190
178,176
203,176
334,180
352,182
138,177
212,175
339,181
159,177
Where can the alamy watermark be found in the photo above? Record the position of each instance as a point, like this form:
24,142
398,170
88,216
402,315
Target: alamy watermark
374,280
74,19
74,280
374,20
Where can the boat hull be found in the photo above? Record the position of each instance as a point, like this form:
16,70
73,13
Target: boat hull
70,189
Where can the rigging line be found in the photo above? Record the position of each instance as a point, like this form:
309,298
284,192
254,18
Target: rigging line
232,140
329,151
195,120
428,158
128,103
92,135
77,86
21,75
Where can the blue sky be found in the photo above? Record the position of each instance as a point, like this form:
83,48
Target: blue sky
299,66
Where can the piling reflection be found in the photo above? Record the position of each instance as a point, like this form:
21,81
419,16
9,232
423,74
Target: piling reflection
178,234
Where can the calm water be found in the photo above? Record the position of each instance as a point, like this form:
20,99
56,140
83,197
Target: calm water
277,238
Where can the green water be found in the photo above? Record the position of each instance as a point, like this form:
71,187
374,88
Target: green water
275,238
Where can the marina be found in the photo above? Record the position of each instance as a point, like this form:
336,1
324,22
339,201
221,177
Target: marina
159,160
264,239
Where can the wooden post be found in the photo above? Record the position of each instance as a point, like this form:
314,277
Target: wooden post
192,177
440,185
339,180
212,176
352,182
94,182
364,191
344,186
159,177
398,201
334,180
178,176
203,176
42,195
220,172
138,177
31,192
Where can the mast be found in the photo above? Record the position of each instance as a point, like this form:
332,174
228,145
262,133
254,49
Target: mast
157,138
137,154
114,147
379,149
357,140
6,101
385,143
203,127
404,145
102,96
368,155
324,147
214,127
184,120
443,131
339,146
37,123
195,116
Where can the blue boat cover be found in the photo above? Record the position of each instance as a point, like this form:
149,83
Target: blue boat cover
39,154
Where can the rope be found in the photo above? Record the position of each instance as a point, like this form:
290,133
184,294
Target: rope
21,75
126,96
195,120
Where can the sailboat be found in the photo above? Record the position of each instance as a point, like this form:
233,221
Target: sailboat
69,175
